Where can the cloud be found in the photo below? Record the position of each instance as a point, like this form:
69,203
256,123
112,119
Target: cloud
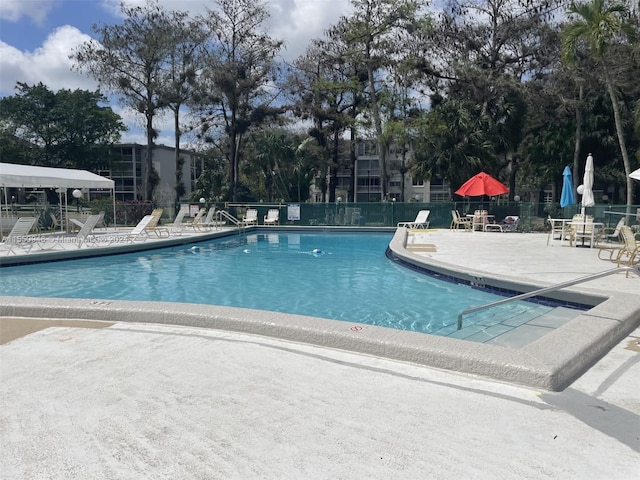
295,22
36,10
49,64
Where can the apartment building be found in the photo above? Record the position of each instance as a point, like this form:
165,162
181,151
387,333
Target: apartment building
129,170
401,185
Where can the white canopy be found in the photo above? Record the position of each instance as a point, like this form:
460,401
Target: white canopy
28,176
635,174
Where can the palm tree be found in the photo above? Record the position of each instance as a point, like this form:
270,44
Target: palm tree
597,26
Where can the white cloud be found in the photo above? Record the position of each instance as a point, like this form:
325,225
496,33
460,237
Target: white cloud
295,22
36,10
49,64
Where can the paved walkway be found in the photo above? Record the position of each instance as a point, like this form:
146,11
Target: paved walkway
160,401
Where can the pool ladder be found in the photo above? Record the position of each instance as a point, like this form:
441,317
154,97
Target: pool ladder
224,215
552,288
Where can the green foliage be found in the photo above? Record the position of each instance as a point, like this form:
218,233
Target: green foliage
231,93
58,129
455,142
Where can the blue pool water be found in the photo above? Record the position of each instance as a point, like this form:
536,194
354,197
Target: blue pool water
340,276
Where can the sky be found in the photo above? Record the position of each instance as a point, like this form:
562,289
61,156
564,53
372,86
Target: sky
37,37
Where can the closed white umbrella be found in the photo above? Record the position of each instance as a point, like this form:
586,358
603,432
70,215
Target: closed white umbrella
587,182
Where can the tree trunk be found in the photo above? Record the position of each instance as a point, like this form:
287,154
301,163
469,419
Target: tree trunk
576,148
176,130
377,121
233,165
146,182
623,147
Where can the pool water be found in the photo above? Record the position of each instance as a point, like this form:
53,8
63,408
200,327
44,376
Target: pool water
340,276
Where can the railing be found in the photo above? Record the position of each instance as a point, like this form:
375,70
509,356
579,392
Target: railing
542,291
223,214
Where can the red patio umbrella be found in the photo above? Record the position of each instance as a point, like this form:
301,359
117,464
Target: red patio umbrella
482,184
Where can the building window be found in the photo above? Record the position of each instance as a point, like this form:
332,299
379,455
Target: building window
367,149
417,182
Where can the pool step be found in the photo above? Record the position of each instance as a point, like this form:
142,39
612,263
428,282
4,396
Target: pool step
513,331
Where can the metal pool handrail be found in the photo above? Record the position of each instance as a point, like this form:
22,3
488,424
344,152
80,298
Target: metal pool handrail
552,288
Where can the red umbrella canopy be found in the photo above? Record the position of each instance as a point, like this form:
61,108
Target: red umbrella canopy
482,184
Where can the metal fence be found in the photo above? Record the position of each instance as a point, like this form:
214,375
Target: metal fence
387,214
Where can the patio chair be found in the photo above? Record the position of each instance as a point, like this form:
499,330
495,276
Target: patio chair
54,222
250,217
458,221
480,219
610,234
630,254
421,221
580,228
17,237
272,217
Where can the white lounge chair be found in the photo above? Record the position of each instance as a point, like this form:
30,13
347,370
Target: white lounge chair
87,229
177,226
197,220
207,222
17,237
421,221
153,227
141,231
272,217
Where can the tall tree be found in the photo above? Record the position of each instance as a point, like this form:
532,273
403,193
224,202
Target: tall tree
128,59
234,93
60,129
484,52
179,77
596,28
325,91
371,31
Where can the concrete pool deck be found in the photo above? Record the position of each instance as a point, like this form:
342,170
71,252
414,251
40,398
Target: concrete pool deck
155,399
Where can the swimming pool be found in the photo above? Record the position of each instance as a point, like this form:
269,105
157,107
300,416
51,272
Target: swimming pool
338,276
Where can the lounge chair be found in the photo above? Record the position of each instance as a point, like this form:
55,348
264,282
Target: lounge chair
78,223
197,220
250,217
458,221
207,222
17,237
140,231
612,234
610,240
421,221
630,254
272,217
87,229
177,226
153,224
